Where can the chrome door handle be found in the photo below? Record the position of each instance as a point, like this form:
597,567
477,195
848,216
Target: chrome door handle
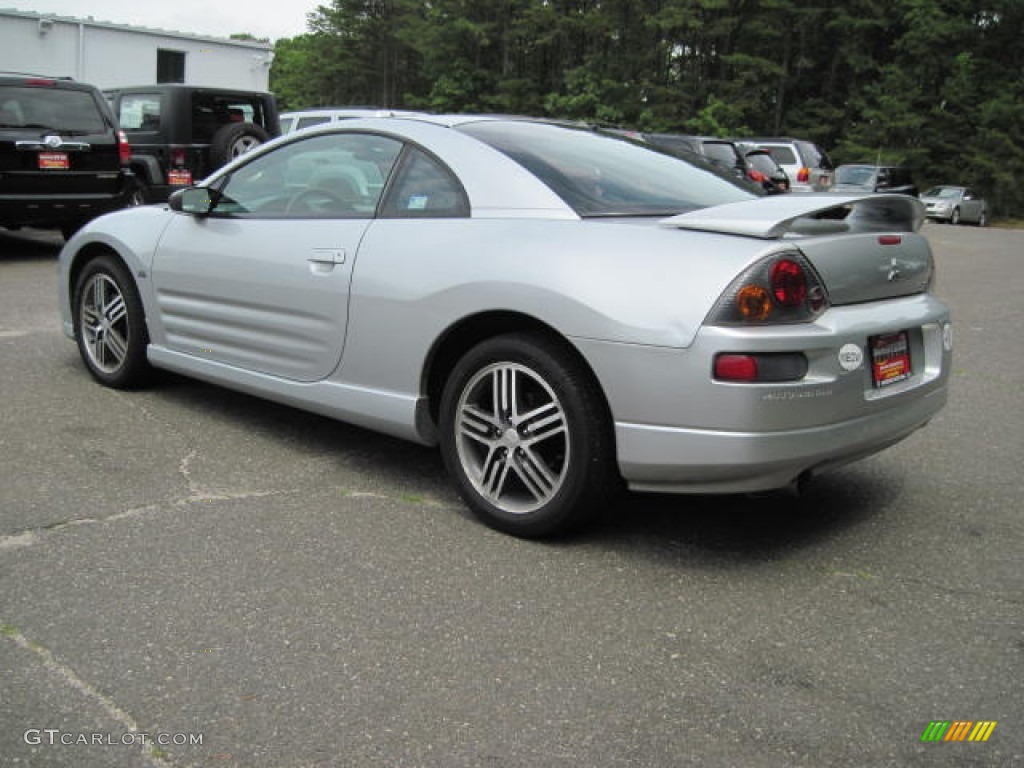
327,256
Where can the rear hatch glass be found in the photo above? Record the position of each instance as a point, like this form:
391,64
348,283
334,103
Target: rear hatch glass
55,141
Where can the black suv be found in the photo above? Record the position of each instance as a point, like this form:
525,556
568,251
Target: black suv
63,160
181,133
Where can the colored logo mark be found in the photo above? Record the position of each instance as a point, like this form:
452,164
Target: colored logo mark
958,730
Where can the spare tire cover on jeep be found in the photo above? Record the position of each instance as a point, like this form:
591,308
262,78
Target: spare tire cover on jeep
234,139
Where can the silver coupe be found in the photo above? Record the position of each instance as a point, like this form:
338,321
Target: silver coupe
559,309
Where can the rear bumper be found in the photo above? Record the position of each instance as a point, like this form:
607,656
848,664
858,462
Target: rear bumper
55,210
678,429
675,460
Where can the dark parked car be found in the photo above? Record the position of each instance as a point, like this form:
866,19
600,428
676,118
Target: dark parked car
807,165
874,178
722,152
763,170
63,160
180,133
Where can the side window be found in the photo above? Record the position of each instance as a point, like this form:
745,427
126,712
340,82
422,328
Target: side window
425,189
340,175
139,112
306,122
783,155
211,112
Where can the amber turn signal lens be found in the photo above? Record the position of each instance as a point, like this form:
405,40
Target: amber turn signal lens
754,302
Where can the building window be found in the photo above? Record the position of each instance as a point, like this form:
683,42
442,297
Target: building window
170,66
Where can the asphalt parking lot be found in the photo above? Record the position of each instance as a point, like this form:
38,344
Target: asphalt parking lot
184,564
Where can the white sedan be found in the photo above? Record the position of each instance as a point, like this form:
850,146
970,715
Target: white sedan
559,309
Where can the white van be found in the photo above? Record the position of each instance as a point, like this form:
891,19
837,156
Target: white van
296,121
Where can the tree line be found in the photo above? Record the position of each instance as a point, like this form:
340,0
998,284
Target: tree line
934,84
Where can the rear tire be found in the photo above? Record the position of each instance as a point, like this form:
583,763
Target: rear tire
983,219
110,325
954,217
139,195
526,435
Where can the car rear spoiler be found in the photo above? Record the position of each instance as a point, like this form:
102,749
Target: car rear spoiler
779,216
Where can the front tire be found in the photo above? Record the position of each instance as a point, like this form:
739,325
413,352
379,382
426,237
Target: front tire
954,218
109,324
526,435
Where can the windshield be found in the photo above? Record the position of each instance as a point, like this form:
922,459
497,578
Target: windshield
763,162
719,152
946,192
855,175
814,155
53,109
606,175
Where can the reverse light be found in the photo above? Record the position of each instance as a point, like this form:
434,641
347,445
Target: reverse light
781,288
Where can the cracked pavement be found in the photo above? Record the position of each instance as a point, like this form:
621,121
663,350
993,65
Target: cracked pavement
184,560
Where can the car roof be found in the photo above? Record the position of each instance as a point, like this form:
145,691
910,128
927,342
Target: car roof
13,78
180,87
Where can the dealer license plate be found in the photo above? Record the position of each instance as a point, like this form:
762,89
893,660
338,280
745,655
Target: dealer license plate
890,358
53,161
179,178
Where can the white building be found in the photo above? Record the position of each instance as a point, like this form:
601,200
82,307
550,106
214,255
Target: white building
110,55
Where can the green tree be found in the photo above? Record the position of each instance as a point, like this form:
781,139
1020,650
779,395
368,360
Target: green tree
937,84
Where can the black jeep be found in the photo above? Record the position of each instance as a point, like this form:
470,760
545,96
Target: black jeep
180,134
63,160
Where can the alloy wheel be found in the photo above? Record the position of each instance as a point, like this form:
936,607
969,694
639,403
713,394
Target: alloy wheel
105,329
512,437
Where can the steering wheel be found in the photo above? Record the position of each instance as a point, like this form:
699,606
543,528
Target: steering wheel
306,200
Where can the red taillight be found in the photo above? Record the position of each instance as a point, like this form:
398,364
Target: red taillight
763,367
804,174
177,157
890,239
736,368
756,176
788,283
780,288
124,150
40,82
